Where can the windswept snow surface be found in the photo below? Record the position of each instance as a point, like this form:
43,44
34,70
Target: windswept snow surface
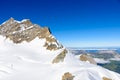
31,61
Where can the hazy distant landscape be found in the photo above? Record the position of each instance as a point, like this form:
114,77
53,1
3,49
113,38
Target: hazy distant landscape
107,57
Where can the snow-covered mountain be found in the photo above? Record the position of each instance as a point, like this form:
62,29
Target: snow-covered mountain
30,52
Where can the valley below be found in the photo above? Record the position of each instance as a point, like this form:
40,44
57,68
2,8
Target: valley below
108,58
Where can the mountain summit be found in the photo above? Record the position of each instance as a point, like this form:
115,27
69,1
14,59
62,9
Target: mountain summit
27,31
30,52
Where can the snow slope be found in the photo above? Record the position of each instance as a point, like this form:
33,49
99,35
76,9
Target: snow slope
33,61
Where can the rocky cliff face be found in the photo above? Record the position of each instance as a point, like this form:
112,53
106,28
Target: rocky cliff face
27,31
60,57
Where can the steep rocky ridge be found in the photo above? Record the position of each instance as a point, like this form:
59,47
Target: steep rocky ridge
27,31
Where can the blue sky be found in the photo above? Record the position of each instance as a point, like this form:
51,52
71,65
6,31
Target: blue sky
75,23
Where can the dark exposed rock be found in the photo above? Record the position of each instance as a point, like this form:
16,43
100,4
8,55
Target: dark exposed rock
105,78
85,57
60,57
67,76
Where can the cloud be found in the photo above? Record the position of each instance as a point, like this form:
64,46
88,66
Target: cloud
102,61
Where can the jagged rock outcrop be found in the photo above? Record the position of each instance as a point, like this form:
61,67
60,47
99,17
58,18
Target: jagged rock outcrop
67,76
85,57
60,57
27,31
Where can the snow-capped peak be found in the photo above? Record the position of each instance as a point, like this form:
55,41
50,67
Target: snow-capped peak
30,52
24,20
25,30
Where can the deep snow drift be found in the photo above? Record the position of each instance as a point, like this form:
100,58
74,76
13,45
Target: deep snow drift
32,61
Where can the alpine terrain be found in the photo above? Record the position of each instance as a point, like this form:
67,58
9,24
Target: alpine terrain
30,52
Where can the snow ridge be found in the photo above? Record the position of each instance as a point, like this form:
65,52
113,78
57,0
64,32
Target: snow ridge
32,60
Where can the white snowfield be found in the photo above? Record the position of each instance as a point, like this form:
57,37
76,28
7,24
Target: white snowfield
31,61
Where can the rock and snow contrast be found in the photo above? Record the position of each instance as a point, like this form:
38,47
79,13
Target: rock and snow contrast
30,52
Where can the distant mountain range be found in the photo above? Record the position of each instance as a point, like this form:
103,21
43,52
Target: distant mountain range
106,57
